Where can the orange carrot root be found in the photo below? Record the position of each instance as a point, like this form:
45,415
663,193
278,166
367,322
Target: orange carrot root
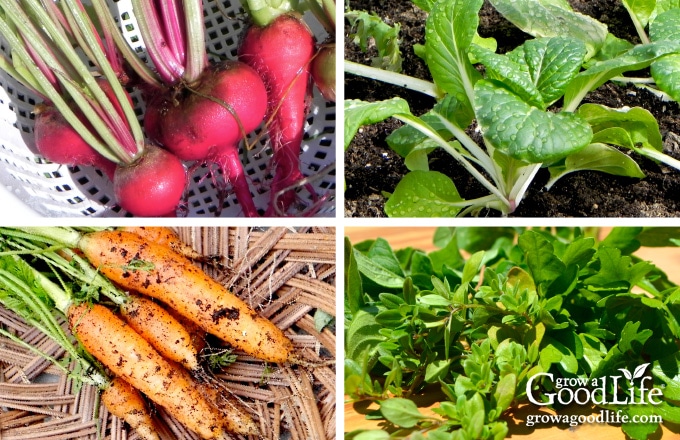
129,356
154,270
161,329
125,402
166,237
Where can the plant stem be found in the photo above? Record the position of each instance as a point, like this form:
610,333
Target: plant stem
263,12
432,134
659,156
47,234
631,80
197,58
397,79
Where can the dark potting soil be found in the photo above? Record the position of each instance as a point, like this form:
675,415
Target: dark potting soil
372,169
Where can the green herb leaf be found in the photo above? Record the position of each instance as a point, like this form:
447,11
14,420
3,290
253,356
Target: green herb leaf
540,254
362,336
377,273
401,412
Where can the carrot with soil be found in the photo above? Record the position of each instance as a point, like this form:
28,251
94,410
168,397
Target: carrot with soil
156,271
125,402
123,351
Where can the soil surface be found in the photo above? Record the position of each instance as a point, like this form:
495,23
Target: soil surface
372,168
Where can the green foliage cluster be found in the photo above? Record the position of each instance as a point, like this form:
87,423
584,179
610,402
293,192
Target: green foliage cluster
493,307
527,104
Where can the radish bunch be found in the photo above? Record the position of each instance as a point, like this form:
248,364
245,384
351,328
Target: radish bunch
199,115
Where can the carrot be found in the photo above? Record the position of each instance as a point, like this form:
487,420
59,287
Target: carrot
156,271
125,402
161,329
129,356
164,236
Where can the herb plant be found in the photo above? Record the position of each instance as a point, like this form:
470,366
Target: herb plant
527,104
494,311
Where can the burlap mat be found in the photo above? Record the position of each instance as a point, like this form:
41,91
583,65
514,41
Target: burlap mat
285,274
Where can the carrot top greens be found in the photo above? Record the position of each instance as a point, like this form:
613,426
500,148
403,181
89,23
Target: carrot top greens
498,317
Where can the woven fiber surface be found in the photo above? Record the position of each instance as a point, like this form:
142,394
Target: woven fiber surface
285,274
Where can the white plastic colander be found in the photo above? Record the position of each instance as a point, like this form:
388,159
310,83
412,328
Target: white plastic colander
54,190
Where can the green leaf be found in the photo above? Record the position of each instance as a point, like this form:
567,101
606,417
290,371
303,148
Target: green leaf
596,157
637,58
374,434
632,339
544,18
450,28
405,139
424,194
322,319
666,74
551,63
666,26
382,254
511,73
638,127
376,273
358,113
401,412
540,256
525,132
641,9
437,370
362,336
667,371
354,292
505,392
623,238
370,27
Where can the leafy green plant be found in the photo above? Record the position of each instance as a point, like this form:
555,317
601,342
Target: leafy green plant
515,104
496,317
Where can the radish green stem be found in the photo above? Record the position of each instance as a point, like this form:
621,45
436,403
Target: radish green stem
106,20
264,12
171,18
197,58
394,78
168,67
49,91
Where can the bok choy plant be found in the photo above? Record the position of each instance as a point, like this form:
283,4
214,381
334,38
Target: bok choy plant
526,103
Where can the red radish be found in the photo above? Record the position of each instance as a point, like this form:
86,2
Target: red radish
281,53
152,185
192,125
203,111
206,121
147,180
58,142
323,71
